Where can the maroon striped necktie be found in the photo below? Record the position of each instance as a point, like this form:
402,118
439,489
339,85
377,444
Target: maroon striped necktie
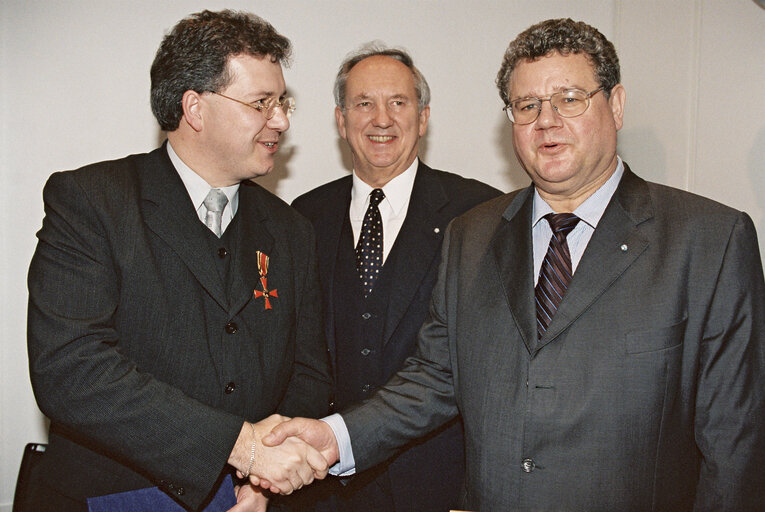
556,271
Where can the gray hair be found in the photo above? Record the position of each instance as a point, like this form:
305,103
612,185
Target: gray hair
564,36
371,50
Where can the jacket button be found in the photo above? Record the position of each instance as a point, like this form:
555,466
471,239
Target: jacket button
365,352
365,388
230,387
180,491
222,252
231,327
366,316
528,465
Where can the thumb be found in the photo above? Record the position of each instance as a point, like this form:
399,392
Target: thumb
278,434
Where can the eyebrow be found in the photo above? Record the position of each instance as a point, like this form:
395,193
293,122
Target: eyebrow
556,90
267,94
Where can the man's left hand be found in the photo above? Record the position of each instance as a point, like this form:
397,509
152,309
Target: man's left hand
249,498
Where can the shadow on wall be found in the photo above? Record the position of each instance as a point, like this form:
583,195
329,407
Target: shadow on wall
515,176
647,155
754,169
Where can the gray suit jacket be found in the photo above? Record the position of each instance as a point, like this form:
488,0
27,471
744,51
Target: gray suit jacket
143,357
645,393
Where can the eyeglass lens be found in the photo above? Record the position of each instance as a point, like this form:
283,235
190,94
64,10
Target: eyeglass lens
570,103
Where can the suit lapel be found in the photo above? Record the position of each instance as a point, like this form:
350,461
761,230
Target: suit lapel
418,242
616,243
328,234
513,254
169,213
253,236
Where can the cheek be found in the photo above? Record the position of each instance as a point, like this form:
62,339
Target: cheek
521,141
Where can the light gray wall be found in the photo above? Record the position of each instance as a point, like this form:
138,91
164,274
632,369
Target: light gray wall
75,90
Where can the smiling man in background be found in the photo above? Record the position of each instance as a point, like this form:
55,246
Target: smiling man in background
379,234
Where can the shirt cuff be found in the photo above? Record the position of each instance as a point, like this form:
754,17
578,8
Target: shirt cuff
347,465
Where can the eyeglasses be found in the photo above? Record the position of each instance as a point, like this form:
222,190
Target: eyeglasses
568,103
267,106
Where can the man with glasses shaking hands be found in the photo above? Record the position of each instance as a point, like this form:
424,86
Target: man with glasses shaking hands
603,337
173,302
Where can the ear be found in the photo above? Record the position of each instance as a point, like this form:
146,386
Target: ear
616,102
424,116
192,104
340,119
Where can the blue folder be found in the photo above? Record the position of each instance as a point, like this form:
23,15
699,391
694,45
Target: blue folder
152,499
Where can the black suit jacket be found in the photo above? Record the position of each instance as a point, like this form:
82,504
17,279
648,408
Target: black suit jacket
437,197
647,391
144,363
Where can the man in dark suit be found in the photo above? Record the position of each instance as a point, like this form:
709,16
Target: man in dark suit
642,387
171,300
382,109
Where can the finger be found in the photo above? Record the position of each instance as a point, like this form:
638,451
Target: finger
306,474
262,482
283,486
317,462
278,434
282,431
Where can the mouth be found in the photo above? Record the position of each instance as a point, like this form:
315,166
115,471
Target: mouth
551,147
381,138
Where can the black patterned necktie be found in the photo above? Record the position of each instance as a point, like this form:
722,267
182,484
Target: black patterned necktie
369,250
556,272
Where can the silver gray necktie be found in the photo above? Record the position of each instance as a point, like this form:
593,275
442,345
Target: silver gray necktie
215,202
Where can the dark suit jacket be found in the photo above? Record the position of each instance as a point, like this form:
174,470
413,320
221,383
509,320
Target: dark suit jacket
645,393
437,197
142,361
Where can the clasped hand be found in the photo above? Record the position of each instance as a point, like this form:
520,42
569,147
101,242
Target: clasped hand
289,453
281,467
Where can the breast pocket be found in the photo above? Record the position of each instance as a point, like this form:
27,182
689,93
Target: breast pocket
653,339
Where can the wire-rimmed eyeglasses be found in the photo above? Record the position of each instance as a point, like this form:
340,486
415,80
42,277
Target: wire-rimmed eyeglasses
568,103
267,106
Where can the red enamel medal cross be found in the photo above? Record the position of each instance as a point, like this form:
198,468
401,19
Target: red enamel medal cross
263,271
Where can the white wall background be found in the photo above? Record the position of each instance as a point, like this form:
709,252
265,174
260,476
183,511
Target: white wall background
75,89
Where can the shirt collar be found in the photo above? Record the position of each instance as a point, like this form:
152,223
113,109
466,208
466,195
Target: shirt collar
196,186
592,209
397,192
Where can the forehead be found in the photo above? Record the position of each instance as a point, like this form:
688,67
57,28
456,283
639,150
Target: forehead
379,74
256,74
551,73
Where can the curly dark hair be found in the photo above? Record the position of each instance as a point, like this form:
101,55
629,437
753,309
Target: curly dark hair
195,54
564,36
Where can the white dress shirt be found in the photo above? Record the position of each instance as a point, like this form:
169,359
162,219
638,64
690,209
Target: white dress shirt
198,189
392,208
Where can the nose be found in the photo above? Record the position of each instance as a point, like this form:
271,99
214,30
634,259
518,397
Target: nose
548,116
280,122
382,117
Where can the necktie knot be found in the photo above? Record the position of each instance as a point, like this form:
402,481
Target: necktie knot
215,202
561,224
376,197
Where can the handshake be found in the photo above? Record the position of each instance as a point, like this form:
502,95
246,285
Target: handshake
282,454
